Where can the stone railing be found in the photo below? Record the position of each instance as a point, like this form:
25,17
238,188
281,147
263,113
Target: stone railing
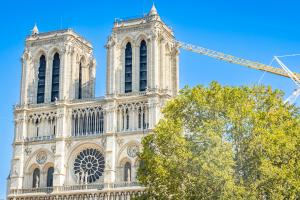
67,188
39,138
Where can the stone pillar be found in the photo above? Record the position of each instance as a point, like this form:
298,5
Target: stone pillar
135,68
154,62
66,74
162,68
26,61
59,162
48,79
17,167
110,156
175,73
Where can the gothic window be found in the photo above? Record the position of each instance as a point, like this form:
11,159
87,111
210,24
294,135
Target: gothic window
128,68
101,122
80,82
127,172
127,119
41,80
55,77
76,130
140,118
36,178
143,66
87,122
89,166
93,123
144,123
50,177
37,127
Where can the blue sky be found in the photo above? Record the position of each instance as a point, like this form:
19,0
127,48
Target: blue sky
256,30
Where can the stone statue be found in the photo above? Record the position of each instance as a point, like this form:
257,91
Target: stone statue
128,175
37,181
78,178
81,176
86,177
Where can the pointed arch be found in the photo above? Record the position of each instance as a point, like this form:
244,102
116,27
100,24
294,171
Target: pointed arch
50,172
127,172
128,68
55,77
41,80
143,66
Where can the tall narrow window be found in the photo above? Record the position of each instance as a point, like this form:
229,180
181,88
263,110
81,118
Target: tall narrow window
128,68
41,80
127,119
101,122
140,118
143,66
80,82
36,178
37,127
55,78
127,172
50,177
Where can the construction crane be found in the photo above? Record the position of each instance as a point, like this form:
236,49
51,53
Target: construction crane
235,60
296,93
285,72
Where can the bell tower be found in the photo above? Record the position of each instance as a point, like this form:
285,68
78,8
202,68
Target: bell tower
142,56
56,66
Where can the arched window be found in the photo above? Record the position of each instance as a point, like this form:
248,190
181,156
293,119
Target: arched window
50,177
143,66
80,82
36,178
127,172
55,77
128,68
41,80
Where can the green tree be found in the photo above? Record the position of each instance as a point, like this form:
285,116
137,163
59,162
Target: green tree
223,143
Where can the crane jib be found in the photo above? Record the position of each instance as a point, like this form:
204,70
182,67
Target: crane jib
235,60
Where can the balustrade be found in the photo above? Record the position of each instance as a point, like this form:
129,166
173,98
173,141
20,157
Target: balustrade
67,188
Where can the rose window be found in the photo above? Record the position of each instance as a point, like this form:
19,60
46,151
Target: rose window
89,166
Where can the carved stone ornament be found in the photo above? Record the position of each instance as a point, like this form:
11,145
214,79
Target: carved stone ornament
120,141
132,150
41,157
27,150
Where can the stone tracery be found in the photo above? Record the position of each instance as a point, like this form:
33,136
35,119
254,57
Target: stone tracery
87,121
89,166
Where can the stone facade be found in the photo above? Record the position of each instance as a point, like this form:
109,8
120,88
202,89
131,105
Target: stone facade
81,146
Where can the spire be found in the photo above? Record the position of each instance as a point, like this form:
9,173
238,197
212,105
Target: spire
153,10
35,30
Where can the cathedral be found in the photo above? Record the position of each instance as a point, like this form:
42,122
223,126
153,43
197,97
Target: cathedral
69,144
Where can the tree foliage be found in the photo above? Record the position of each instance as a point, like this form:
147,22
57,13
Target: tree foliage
223,143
